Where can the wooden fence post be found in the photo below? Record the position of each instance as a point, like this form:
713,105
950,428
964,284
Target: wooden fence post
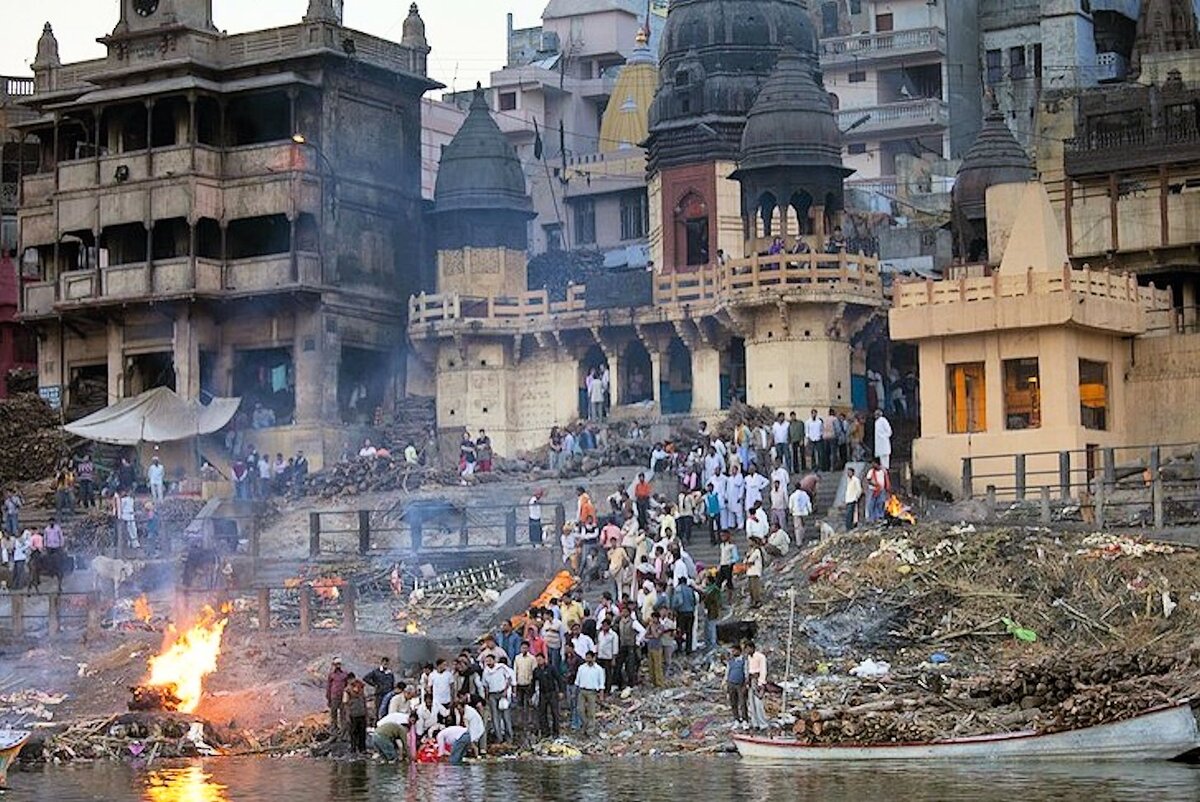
1101,492
17,602
510,528
1064,475
93,615
305,610
349,597
364,531
53,622
1156,488
1045,504
991,501
967,481
314,534
1019,476
264,609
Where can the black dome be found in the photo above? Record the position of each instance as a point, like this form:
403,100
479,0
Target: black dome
792,123
995,158
479,170
715,55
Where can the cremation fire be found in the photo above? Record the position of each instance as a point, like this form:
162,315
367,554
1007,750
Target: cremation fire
413,628
897,512
142,610
326,588
177,673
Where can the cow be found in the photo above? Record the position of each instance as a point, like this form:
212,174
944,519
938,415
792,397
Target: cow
41,564
115,571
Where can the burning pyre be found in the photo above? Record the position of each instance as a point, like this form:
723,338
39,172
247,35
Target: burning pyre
176,680
897,512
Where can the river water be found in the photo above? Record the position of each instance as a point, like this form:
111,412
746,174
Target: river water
693,778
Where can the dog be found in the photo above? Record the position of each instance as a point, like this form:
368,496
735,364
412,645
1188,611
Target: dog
115,571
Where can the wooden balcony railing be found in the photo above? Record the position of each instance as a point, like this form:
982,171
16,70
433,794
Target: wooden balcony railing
738,280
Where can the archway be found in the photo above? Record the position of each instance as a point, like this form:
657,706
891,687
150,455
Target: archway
733,372
764,225
636,374
801,202
675,391
691,231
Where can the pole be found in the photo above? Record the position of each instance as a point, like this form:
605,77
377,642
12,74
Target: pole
787,659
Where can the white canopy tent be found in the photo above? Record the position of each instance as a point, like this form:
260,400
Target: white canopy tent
155,416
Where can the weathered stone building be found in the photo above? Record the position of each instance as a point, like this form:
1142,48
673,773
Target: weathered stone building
743,147
228,215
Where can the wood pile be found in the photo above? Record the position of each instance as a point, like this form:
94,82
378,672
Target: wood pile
414,420
21,380
141,735
30,428
371,475
740,413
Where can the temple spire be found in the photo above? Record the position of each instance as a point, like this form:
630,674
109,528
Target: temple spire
1164,26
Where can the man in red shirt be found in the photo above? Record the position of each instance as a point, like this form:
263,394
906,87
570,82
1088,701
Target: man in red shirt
641,497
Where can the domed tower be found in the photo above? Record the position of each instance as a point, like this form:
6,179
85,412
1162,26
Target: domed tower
995,158
481,210
625,123
790,166
714,58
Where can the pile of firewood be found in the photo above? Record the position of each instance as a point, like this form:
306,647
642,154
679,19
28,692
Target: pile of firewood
1055,679
369,475
29,427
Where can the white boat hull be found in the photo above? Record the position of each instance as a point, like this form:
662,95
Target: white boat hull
1160,734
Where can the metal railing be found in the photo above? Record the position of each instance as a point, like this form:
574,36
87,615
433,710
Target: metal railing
1104,478
424,527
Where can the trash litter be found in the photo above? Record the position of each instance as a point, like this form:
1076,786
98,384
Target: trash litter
1018,631
869,669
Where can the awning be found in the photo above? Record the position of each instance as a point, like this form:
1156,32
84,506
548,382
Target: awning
155,416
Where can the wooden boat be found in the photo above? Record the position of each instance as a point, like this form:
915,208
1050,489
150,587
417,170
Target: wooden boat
11,742
1160,734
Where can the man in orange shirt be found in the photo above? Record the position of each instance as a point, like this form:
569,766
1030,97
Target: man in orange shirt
641,497
586,512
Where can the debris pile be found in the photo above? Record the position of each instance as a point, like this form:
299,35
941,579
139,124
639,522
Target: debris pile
455,591
371,475
136,735
946,632
29,427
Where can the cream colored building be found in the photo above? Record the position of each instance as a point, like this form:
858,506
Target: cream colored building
1032,359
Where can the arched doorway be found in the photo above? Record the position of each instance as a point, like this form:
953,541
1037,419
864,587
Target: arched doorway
801,204
675,392
593,359
691,231
733,372
636,374
766,215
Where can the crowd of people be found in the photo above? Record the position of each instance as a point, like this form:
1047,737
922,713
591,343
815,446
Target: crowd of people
257,476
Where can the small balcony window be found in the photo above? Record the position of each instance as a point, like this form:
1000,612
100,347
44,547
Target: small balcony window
967,398
1022,394
1093,394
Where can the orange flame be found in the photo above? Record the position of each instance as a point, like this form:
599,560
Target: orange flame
326,588
895,509
141,609
189,657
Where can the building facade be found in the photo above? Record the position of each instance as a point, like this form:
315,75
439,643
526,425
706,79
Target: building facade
743,148
227,216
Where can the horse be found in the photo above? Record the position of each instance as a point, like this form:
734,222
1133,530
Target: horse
48,563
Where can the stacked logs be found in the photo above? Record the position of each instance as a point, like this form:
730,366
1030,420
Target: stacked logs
1055,679
30,428
368,475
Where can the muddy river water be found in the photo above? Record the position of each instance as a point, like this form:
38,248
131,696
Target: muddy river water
694,778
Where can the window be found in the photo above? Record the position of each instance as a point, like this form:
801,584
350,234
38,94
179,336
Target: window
995,66
585,222
967,403
885,23
1093,394
508,101
829,19
857,77
553,232
855,6
1016,63
856,148
635,215
682,78
1022,394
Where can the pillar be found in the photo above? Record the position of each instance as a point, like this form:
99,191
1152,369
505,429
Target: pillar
116,361
706,378
656,372
186,355
317,356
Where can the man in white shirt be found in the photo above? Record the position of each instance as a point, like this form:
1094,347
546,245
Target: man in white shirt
128,519
156,476
733,510
883,440
779,504
454,741
781,474
757,524
756,668
779,435
535,517
754,570
854,491
778,542
814,432
756,483
496,683
590,679
608,645
367,450
441,683
800,506
583,642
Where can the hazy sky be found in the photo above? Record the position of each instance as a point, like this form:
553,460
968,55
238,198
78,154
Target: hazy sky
467,36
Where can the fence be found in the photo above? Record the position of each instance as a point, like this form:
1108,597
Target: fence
1105,480
59,611
422,527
